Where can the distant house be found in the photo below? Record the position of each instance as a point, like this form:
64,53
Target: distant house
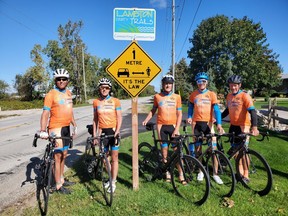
284,86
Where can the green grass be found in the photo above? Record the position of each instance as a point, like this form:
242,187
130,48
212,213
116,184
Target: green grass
280,102
158,198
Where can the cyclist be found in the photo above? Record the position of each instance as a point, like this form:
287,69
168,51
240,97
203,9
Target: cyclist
202,104
169,116
58,105
107,120
242,115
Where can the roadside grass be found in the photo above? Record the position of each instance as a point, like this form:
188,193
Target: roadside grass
158,198
280,102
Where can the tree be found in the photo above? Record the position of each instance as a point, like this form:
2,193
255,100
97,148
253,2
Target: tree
34,76
182,84
223,47
3,89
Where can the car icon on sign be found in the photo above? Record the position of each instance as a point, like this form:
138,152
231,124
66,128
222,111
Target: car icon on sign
123,72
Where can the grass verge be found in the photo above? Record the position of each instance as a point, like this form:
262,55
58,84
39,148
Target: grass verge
158,198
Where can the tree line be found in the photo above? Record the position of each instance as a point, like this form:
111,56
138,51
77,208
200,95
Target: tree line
219,46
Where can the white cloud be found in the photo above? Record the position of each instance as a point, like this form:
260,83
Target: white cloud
159,3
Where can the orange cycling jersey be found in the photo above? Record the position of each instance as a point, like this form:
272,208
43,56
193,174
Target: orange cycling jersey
60,105
203,102
168,105
238,106
106,111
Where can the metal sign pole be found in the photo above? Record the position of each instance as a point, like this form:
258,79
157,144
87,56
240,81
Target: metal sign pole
135,172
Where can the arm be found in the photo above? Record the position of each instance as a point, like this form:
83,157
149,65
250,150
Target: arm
44,120
119,121
190,112
225,113
254,121
217,114
178,123
149,116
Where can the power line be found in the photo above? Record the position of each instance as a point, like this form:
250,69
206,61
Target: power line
179,20
189,29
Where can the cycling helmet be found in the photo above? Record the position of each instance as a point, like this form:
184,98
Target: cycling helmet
235,79
60,73
168,79
104,81
201,75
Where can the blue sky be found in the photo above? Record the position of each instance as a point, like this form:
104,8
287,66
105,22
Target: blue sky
26,23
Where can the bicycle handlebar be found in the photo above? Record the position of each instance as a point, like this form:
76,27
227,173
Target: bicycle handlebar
51,138
103,137
244,135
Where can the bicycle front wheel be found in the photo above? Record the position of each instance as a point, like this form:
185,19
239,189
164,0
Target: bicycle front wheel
260,174
187,168
217,164
89,158
148,160
44,185
105,170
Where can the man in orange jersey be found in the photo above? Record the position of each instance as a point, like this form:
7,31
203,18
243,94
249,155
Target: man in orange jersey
108,120
169,116
202,104
58,105
242,115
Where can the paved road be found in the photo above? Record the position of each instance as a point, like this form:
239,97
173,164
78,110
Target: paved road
18,158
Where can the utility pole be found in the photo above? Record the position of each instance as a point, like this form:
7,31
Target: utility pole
84,79
173,41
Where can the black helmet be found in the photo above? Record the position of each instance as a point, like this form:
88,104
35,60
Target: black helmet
168,79
235,79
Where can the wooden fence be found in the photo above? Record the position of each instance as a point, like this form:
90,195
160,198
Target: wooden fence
273,118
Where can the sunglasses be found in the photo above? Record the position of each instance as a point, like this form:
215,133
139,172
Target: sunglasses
61,79
104,87
201,81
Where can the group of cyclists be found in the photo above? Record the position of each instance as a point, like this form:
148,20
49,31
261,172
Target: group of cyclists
203,113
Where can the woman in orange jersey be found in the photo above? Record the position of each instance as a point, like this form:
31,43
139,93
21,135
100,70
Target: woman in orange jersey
108,120
242,115
203,104
169,116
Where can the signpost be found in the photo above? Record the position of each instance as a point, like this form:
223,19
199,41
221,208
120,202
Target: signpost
134,24
133,69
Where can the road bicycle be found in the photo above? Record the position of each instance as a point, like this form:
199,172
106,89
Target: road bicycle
46,180
215,162
99,165
260,175
183,168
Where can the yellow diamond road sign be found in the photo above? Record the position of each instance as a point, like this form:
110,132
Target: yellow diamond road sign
133,69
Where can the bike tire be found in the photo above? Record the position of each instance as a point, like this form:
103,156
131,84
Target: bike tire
260,174
224,170
148,160
105,170
90,154
194,191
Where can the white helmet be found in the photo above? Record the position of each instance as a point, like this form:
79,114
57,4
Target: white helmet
60,73
104,81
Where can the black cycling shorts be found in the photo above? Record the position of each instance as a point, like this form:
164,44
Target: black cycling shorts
201,127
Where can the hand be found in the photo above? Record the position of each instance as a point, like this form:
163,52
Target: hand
144,122
189,120
255,131
43,135
220,129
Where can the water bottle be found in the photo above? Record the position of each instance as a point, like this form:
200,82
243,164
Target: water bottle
192,149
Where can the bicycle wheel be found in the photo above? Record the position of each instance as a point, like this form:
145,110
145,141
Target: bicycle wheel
260,174
148,160
44,185
194,191
105,171
217,163
89,158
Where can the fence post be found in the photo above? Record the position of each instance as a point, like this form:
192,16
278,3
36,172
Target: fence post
269,112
